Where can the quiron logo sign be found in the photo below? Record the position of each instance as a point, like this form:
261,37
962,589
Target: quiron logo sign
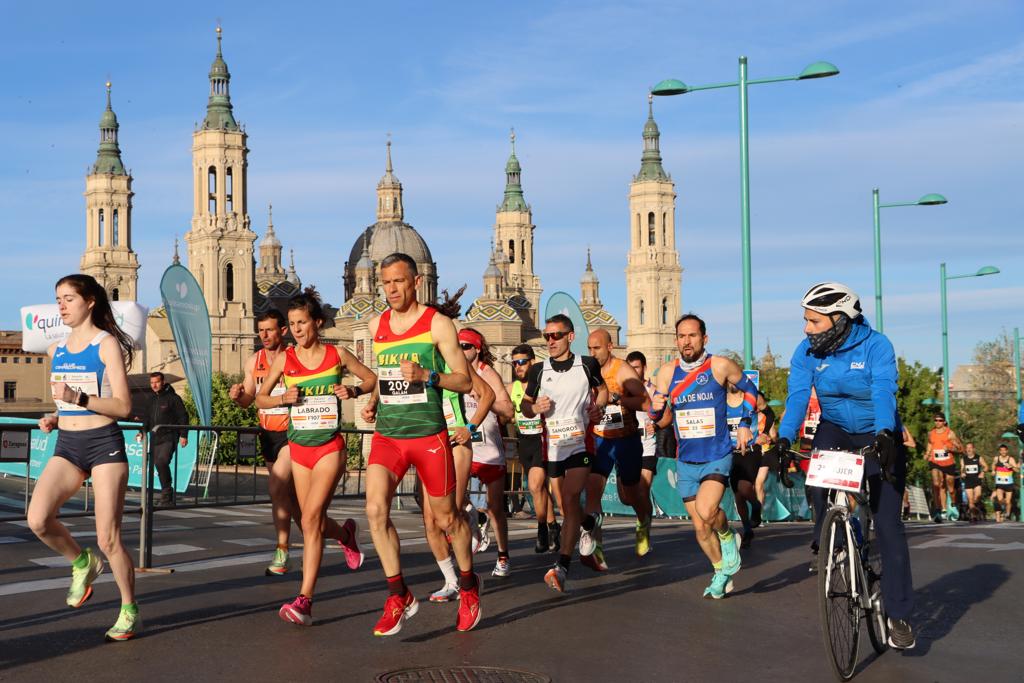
42,325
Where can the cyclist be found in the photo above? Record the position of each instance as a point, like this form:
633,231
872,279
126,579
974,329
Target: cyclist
942,444
852,369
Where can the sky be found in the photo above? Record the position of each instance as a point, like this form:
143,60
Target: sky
929,99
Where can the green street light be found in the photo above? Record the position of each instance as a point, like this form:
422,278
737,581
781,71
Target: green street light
943,278
674,86
927,200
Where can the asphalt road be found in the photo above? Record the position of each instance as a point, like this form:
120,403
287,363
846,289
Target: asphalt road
215,617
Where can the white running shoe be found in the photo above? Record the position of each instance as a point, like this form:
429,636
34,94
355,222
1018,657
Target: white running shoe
501,568
588,544
447,593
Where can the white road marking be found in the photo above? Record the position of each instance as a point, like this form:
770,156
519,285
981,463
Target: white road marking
12,539
237,522
53,561
181,514
250,541
234,511
175,549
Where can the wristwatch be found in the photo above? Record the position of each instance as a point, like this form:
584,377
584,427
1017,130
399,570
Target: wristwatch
433,379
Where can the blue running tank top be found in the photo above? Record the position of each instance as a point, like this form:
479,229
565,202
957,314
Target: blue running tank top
733,415
84,371
699,414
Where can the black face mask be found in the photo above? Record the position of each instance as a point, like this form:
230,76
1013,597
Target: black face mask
829,341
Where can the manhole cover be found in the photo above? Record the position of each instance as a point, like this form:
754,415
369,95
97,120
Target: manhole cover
461,674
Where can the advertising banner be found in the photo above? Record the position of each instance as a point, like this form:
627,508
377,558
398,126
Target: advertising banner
41,325
560,302
190,324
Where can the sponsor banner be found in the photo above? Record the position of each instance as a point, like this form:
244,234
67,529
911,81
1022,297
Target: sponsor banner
41,447
41,325
190,325
560,302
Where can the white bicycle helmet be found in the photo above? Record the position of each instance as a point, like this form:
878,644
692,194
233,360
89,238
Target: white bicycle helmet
832,297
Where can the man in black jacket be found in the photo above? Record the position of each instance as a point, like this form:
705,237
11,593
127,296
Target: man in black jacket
165,408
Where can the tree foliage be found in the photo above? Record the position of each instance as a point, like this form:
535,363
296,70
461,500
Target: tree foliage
917,383
226,413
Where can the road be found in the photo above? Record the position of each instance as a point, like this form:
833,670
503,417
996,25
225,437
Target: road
215,617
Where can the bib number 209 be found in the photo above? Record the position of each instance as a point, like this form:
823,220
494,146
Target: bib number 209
396,390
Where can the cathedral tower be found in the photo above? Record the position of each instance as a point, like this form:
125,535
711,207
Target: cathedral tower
653,273
220,242
513,232
270,268
108,253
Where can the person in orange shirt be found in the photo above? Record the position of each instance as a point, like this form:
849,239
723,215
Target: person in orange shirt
943,445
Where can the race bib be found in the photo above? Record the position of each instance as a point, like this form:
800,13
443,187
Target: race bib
564,432
836,470
396,391
315,412
811,425
276,391
1004,477
734,424
83,381
941,457
529,425
449,413
970,469
696,423
611,420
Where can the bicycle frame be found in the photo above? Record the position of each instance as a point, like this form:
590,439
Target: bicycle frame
857,572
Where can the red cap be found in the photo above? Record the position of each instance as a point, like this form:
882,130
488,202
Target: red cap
471,337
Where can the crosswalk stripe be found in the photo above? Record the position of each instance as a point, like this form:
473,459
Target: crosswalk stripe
250,541
237,522
12,539
181,514
175,549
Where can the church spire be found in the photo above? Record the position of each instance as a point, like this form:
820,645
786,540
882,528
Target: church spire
108,157
389,192
590,286
218,109
650,162
514,200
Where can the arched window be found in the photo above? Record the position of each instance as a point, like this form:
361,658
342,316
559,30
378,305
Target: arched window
229,184
650,229
115,295
664,229
202,278
637,240
664,311
641,311
211,190
103,227
522,251
117,230
229,282
511,251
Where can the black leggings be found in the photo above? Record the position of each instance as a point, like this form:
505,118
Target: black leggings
886,503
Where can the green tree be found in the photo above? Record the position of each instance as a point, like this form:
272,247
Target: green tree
226,413
916,384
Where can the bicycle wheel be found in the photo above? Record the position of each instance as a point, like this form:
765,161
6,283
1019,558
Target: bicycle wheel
840,612
878,625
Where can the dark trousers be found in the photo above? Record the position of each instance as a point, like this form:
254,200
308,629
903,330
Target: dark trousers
161,452
886,501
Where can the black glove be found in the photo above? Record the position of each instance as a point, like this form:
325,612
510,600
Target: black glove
1020,431
781,448
884,448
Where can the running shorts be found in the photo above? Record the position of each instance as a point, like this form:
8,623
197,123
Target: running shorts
692,475
948,470
744,467
649,463
972,480
624,453
1008,488
309,456
271,444
531,451
87,448
558,468
430,455
487,473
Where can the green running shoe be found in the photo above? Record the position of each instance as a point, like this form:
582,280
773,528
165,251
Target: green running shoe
643,538
721,585
81,580
280,564
127,627
731,561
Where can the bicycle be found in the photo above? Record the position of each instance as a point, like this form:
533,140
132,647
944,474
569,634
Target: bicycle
849,574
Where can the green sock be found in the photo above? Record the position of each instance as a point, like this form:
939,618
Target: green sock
716,565
82,561
725,535
131,608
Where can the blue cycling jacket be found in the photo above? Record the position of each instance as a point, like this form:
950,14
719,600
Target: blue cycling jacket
856,385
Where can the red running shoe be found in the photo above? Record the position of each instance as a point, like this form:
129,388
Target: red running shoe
469,607
353,556
397,609
298,611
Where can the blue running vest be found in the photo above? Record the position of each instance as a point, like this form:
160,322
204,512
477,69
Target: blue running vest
699,415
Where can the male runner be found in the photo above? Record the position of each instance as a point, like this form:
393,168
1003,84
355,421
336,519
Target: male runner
271,328
694,387
649,462
617,444
410,342
745,463
529,432
943,444
569,393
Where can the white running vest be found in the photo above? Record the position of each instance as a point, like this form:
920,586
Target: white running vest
566,425
490,449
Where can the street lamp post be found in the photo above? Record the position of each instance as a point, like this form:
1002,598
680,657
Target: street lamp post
673,86
987,270
926,200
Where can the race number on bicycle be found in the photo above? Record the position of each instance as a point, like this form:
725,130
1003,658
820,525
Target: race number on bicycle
840,470
396,390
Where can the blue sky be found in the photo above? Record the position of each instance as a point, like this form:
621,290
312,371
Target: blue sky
929,100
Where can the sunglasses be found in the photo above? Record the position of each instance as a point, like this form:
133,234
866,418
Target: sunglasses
520,362
548,336
466,346
940,422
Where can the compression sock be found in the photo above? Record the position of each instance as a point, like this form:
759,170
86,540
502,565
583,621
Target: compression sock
502,554
564,560
447,567
467,580
82,561
396,585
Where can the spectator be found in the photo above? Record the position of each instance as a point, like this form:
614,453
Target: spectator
165,408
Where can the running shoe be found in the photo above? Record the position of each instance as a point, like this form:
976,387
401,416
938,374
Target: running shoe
81,580
541,545
731,560
746,538
721,585
469,607
280,564
298,611
755,515
554,537
643,538
587,543
446,593
595,560
901,635
127,626
353,556
555,578
397,609
501,567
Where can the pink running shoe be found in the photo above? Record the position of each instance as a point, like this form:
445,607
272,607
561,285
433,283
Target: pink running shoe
298,611
353,556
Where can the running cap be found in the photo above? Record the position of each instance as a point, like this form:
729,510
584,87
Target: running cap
832,297
471,337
